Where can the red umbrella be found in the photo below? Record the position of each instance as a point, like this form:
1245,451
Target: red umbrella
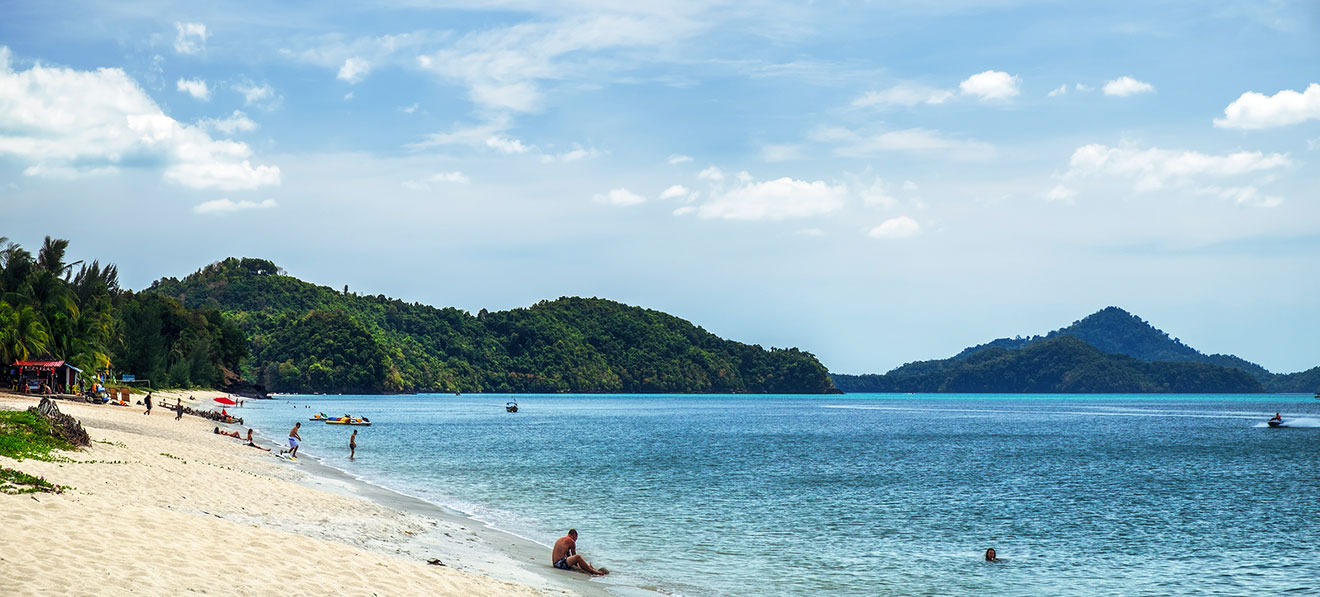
225,401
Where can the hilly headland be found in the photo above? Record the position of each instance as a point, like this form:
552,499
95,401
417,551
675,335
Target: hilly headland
306,338
1109,351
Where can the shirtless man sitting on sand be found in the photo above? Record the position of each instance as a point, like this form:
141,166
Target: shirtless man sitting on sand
564,555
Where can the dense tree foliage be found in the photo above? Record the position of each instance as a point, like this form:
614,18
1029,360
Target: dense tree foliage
50,311
1057,365
313,338
1302,381
1111,331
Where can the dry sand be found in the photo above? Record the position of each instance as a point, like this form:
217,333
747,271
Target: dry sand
165,507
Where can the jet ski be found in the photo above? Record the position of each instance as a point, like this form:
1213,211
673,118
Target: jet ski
1276,422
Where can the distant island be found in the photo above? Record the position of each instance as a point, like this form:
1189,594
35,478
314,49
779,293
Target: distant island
1110,351
306,338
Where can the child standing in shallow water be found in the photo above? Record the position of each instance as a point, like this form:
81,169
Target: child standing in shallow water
352,444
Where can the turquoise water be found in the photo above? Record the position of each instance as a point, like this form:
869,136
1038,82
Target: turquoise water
867,494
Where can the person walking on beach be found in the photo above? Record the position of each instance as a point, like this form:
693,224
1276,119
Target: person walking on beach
178,408
352,444
294,440
565,557
147,401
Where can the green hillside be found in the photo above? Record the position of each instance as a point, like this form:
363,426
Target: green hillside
309,338
1057,365
1116,331
1111,332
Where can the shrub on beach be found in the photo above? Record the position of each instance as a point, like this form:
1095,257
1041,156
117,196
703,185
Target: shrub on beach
26,434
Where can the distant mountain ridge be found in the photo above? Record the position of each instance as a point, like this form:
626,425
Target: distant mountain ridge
1156,365
309,338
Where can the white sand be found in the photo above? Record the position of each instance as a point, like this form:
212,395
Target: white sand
165,507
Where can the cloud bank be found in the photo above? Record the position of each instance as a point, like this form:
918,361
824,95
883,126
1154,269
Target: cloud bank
67,123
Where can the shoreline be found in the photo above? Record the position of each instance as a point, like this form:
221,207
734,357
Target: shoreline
530,557
140,506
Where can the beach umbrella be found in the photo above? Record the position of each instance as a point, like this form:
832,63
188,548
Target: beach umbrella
225,401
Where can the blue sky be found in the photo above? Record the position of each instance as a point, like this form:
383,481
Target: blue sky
876,182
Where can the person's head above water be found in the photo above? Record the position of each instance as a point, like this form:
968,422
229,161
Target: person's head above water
990,555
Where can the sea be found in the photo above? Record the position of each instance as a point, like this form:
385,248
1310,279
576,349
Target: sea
865,494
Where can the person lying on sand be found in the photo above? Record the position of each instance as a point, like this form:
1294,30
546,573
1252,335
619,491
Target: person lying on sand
564,555
254,444
233,434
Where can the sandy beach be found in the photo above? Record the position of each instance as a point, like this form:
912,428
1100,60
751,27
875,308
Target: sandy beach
160,506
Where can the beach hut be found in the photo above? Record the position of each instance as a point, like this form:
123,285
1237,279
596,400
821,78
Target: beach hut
56,377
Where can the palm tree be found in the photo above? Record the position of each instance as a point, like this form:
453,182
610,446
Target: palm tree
51,256
21,333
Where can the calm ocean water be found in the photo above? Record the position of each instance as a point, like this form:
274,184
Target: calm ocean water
867,494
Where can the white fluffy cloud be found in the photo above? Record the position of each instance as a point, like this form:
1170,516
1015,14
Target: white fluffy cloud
1126,86
896,228
677,191
902,95
991,85
712,174
354,70
236,122
1060,90
190,38
619,197
780,199
1258,111
1155,168
66,122
677,158
852,143
220,206
194,87
504,144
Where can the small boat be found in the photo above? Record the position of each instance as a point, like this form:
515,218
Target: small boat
348,421
319,417
511,406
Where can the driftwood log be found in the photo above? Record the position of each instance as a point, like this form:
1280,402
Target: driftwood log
63,426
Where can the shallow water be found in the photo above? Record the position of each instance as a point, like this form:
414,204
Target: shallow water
866,494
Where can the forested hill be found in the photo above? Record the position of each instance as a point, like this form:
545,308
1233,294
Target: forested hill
309,338
1116,331
1057,365
1151,361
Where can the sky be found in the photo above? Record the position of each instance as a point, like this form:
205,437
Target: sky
874,182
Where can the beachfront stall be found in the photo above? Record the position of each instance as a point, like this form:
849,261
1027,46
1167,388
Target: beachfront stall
45,377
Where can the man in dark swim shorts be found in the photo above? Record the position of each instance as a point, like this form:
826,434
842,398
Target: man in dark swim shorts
564,555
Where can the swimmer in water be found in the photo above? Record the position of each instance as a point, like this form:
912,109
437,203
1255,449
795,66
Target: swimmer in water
990,555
